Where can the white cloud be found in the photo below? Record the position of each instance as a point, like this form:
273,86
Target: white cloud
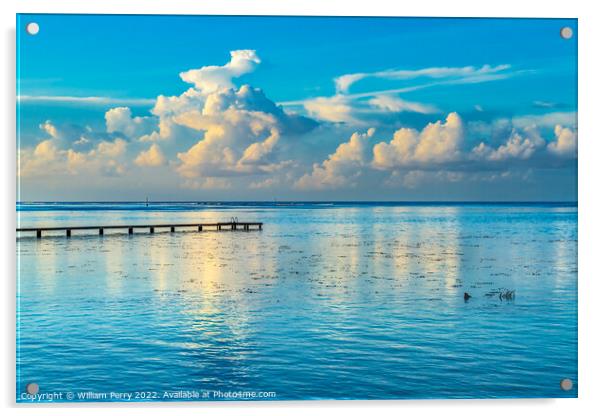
467,74
73,150
438,142
86,100
397,105
352,108
48,158
241,131
336,109
565,143
120,120
152,157
344,82
216,135
50,128
550,120
342,167
343,109
112,149
234,131
518,146
209,79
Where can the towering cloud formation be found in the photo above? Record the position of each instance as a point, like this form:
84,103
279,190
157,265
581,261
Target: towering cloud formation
241,132
240,128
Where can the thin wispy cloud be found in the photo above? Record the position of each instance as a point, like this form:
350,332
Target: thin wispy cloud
345,106
68,99
467,74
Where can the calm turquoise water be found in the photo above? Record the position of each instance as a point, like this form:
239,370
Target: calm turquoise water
343,301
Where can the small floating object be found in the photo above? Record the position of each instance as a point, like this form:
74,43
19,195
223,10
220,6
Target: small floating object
502,294
466,296
507,295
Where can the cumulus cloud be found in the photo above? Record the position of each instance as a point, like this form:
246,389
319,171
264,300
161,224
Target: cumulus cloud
241,131
72,150
565,143
120,120
209,79
213,130
233,131
342,167
151,157
47,158
438,142
440,152
410,149
520,145
64,134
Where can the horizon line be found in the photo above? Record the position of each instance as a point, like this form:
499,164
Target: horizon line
302,201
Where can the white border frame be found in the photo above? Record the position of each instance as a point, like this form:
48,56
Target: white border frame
590,206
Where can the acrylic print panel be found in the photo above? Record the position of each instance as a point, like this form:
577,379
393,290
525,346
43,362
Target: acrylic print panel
292,208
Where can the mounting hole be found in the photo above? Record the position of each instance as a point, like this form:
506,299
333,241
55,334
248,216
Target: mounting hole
566,384
32,388
32,28
566,32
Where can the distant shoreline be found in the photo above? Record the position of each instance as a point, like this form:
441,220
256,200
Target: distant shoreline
233,205
375,202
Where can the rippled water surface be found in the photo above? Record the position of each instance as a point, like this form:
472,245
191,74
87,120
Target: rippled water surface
349,301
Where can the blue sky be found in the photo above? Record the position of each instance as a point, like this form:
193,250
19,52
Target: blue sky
296,108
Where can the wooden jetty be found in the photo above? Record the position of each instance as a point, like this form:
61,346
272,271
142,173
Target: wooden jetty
218,226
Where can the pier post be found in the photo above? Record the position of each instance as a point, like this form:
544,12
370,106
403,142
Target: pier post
39,233
101,231
200,228
260,225
219,228
68,232
152,230
130,230
233,226
246,227
173,229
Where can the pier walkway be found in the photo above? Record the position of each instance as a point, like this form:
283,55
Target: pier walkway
217,226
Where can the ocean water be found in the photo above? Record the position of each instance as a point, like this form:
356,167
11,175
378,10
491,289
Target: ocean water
329,301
